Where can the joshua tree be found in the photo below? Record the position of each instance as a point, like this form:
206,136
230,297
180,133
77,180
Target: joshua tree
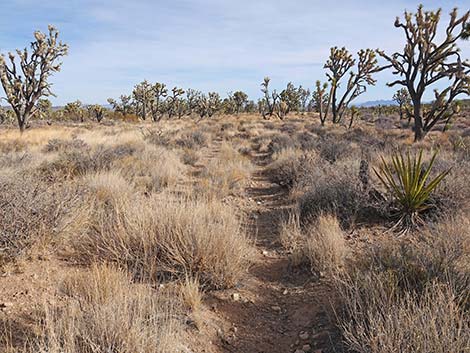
5,115
75,111
290,100
453,111
143,95
340,64
239,99
174,101
25,79
426,59
402,98
191,100
96,111
270,99
354,111
320,100
44,108
159,92
304,95
125,105
215,103
208,105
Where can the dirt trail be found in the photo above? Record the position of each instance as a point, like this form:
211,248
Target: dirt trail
275,309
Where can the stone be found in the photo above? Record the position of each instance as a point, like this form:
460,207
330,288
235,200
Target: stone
276,308
304,335
236,296
306,348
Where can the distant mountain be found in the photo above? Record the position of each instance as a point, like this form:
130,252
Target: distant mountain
376,103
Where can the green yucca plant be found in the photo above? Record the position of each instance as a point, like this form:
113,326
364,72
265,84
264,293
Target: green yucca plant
406,179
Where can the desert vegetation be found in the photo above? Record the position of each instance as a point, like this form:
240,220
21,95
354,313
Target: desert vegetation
174,220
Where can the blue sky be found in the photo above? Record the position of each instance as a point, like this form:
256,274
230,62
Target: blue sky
211,45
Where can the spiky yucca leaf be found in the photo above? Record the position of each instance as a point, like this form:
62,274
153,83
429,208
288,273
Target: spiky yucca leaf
407,180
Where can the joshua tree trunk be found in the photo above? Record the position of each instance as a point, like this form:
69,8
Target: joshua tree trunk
418,128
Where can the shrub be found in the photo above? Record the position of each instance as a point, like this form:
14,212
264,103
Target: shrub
439,255
73,163
333,148
157,137
31,212
56,145
334,189
281,142
193,140
406,179
190,157
290,166
307,141
409,295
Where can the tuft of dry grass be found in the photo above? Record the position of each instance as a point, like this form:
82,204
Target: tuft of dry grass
377,320
152,169
410,295
225,175
161,236
105,312
320,245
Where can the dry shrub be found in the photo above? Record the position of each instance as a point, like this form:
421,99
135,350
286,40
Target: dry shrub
161,236
290,166
453,193
57,145
16,160
307,141
158,137
333,189
194,139
105,312
191,293
281,142
75,162
31,212
190,157
320,245
334,148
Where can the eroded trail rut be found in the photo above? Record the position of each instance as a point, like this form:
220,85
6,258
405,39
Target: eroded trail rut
276,308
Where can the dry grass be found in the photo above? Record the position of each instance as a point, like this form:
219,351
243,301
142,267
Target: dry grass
410,296
105,312
225,175
378,320
320,245
161,236
151,169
